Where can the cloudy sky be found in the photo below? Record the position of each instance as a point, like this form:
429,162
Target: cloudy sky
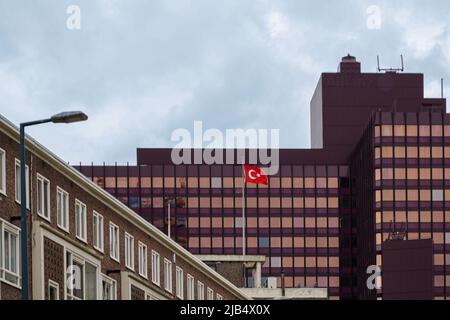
141,69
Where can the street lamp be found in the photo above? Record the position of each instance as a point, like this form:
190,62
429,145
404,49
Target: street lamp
63,117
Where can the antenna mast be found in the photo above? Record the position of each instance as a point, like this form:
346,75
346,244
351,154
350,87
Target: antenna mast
390,69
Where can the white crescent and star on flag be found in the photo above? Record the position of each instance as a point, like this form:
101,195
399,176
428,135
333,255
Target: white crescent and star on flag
252,176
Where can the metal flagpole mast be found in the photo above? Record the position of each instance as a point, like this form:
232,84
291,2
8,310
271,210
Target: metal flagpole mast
169,223
243,209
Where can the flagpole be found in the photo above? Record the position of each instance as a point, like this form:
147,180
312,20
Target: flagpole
168,213
243,209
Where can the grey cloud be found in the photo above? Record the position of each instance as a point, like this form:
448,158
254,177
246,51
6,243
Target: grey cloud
141,69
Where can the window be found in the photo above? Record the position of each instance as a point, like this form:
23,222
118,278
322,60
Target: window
43,197
219,297
447,238
2,171
200,291
179,282
9,253
129,251
190,287
210,294
142,259
155,267
216,182
438,195
276,261
62,208
81,278
114,241
80,220
264,242
17,184
53,290
98,231
167,275
109,288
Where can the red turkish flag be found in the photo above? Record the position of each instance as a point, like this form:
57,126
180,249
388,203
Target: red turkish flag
255,174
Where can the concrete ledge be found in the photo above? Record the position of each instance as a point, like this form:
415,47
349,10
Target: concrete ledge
230,258
290,293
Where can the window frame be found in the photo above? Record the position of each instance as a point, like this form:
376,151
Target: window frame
210,294
53,284
129,252
98,237
17,182
3,172
190,287
156,274
83,261
112,253
200,293
110,281
16,232
142,259
41,197
63,192
168,284
179,277
82,205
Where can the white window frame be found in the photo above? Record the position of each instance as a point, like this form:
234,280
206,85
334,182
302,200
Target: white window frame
200,290
143,264
219,296
4,272
80,220
98,231
210,294
53,284
179,282
112,283
41,197
156,272
82,261
65,205
190,287
168,275
114,242
17,182
129,251
3,172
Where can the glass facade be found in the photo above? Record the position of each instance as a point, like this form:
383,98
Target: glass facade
294,221
412,185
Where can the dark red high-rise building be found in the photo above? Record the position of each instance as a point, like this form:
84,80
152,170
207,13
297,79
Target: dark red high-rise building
379,171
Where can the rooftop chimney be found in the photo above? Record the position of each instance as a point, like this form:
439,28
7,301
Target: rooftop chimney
349,65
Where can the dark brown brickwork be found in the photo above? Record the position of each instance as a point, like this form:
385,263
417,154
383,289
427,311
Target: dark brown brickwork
233,271
53,265
9,292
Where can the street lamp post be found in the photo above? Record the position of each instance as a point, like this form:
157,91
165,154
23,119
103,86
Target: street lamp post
63,117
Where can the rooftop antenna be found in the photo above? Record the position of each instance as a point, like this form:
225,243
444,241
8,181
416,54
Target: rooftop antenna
390,69
442,88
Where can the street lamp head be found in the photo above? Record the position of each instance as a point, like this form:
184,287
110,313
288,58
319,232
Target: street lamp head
69,116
